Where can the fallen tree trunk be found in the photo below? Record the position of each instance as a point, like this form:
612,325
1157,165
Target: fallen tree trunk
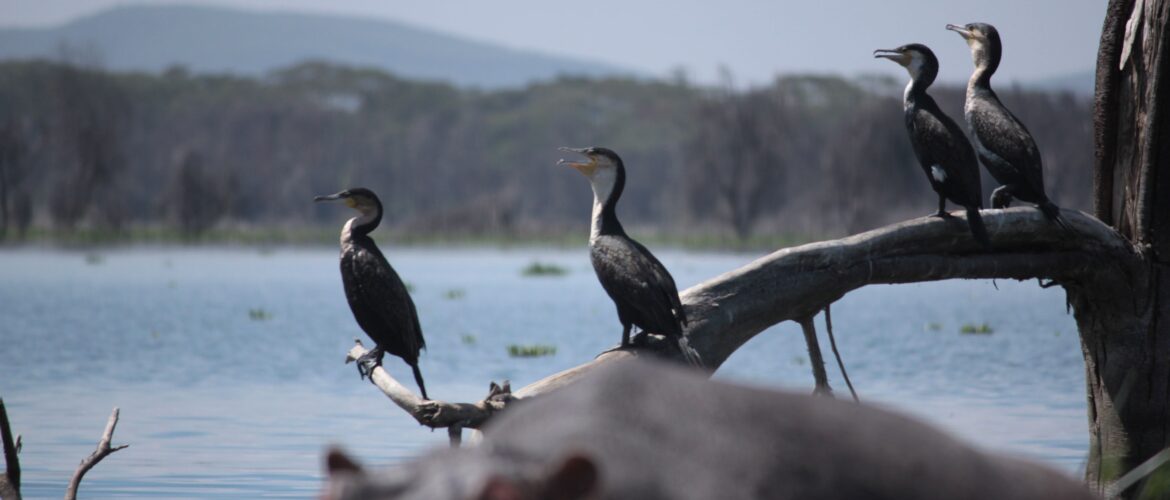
796,283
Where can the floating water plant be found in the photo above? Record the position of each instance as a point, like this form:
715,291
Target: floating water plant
531,351
537,268
972,329
454,294
467,339
257,314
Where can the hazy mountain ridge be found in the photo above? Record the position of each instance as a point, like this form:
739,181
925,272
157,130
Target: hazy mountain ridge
214,39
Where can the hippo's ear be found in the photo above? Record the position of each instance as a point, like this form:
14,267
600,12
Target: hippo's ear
337,462
575,478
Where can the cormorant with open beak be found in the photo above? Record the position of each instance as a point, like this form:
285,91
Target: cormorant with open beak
940,145
378,298
639,285
1003,143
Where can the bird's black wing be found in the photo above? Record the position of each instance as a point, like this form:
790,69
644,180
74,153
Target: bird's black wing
665,283
392,320
938,141
638,282
1000,133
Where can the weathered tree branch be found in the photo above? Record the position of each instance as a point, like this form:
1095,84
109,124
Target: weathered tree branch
796,283
103,449
431,413
10,480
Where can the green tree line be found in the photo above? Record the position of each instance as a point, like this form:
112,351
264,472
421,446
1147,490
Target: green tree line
83,148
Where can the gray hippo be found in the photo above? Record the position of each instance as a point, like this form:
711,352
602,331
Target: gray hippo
648,430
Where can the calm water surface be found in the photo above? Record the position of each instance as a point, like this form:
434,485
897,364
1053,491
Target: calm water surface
227,363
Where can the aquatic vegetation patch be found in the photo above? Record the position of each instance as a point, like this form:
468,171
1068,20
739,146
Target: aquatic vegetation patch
259,314
537,268
973,329
531,351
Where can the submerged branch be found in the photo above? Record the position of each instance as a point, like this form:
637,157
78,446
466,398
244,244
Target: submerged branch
796,283
103,449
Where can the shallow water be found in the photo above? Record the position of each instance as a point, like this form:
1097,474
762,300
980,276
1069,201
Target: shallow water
218,404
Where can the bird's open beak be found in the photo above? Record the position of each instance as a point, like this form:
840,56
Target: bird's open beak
963,32
892,55
585,168
334,196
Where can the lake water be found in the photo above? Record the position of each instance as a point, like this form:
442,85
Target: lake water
227,363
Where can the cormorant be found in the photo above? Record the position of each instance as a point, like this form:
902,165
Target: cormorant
940,145
639,285
1003,143
378,298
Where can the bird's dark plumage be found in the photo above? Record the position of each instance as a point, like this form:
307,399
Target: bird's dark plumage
377,296
1004,145
641,288
942,149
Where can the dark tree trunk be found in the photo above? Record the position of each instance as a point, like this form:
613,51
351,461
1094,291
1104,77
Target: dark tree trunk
1125,322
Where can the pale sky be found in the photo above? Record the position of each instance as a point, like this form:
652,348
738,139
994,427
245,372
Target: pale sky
756,39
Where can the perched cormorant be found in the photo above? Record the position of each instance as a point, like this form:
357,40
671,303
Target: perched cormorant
640,286
940,145
378,298
1003,143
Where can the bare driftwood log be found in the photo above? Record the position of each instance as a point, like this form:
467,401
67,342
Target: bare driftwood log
103,450
796,283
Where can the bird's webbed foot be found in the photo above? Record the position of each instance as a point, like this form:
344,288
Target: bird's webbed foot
942,214
368,361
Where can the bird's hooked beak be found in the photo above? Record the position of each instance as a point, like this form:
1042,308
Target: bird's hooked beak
897,56
963,32
335,196
586,168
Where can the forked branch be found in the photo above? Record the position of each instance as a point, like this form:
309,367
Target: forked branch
103,450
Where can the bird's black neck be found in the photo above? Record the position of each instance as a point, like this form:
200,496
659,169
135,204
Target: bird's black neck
605,221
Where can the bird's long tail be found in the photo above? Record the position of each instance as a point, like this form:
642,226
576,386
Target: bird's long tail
978,230
418,379
1052,212
689,352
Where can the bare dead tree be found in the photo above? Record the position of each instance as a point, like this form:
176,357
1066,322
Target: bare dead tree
737,154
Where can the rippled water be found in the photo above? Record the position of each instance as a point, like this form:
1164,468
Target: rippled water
227,363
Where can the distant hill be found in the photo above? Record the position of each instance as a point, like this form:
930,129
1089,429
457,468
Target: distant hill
213,39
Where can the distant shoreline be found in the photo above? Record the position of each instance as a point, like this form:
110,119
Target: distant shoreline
326,237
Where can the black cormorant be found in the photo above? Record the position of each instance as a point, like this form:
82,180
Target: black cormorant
640,286
1003,143
940,145
378,298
